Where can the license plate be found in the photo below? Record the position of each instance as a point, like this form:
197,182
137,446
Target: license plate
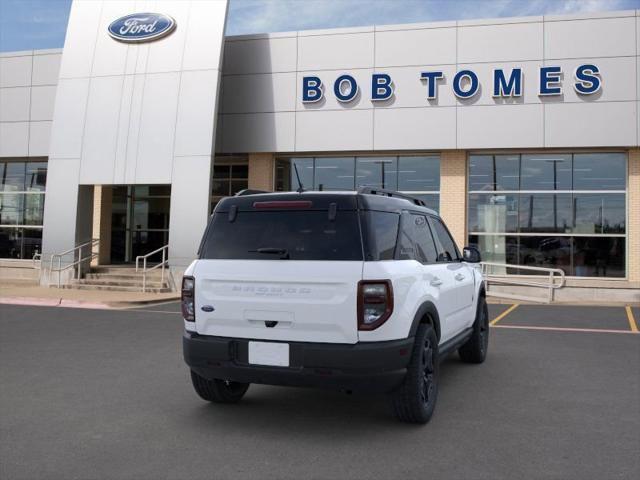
267,353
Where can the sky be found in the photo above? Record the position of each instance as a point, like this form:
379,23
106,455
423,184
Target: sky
36,24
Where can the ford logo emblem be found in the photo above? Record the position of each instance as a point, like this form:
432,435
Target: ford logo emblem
141,27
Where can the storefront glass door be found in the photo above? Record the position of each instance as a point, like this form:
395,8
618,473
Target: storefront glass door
140,221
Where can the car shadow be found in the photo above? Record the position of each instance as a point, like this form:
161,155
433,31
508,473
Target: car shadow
268,411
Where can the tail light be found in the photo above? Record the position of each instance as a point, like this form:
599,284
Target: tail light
375,303
188,299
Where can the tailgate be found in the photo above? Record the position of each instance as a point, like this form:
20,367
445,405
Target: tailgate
287,300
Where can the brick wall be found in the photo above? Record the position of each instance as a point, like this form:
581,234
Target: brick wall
102,201
261,170
453,193
633,225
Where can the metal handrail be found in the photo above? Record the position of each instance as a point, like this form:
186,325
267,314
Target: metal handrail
161,265
549,281
78,248
36,260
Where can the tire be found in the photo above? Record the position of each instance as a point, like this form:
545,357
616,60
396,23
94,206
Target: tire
475,349
218,391
415,400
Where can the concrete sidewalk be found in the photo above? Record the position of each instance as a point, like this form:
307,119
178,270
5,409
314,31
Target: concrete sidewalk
21,294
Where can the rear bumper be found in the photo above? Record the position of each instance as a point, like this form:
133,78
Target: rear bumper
368,367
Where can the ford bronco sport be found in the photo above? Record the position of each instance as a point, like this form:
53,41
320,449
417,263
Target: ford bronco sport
356,291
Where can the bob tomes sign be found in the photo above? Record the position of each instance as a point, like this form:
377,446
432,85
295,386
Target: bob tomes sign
141,27
465,84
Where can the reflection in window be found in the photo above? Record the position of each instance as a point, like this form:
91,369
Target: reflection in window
230,175
545,172
494,172
380,172
22,193
599,171
580,230
600,213
334,174
493,213
544,212
417,175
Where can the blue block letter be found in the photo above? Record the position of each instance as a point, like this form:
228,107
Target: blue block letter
431,80
381,87
350,93
587,79
550,81
473,85
311,89
507,88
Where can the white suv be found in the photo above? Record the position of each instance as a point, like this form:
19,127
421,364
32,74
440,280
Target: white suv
357,291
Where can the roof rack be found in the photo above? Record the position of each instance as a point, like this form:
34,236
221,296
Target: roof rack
391,193
249,191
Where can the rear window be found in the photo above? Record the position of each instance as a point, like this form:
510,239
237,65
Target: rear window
275,235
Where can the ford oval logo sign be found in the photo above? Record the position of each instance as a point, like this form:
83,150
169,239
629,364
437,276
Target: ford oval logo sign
141,27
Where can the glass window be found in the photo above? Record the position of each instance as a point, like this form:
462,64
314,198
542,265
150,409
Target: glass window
11,208
494,172
599,256
381,233
240,171
286,179
22,187
228,179
496,248
545,172
220,182
13,178
10,242
33,209
302,235
419,174
36,176
493,213
380,172
545,212
591,215
599,171
334,173
31,242
548,252
425,246
600,213
447,250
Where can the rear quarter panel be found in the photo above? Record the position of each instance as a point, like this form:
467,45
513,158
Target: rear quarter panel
409,292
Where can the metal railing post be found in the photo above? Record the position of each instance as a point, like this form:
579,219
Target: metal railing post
162,269
160,265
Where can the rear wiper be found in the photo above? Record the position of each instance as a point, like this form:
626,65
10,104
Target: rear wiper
283,252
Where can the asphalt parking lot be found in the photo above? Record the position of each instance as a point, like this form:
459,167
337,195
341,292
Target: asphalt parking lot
99,394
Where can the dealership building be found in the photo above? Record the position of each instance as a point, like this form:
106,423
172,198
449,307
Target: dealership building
523,133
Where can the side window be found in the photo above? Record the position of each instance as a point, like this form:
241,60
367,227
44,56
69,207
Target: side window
416,241
380,234
406,239
447,250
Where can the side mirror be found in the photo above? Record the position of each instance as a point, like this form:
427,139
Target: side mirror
471,255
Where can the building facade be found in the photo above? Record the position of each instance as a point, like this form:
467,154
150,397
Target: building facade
523,132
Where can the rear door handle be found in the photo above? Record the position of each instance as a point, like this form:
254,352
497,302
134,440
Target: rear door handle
436,282
459,277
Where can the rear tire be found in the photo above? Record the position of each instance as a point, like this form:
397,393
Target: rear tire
475,349
415,400
218,391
